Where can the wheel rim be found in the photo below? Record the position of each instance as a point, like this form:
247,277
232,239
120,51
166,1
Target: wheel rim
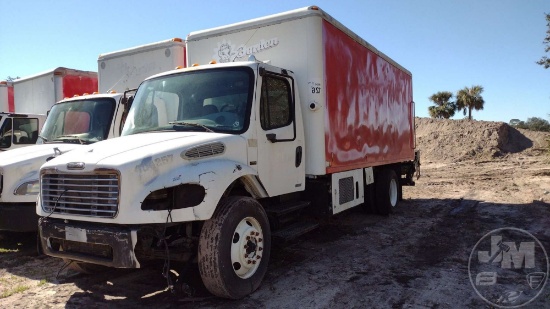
246,247
393,192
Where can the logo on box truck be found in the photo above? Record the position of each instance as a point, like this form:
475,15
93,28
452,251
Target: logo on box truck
227,52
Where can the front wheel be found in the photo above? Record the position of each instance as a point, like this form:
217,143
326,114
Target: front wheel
234,248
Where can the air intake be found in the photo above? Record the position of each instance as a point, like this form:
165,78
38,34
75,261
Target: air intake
204,151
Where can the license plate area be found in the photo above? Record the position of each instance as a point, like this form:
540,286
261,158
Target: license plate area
76,234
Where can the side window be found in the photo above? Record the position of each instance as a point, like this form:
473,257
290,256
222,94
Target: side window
5,134
275,103
25,130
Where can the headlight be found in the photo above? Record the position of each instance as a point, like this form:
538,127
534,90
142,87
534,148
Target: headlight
28,188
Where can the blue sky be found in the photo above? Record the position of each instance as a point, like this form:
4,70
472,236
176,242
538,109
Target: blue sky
447,45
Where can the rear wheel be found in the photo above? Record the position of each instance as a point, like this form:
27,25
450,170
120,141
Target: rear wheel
234,248
387,191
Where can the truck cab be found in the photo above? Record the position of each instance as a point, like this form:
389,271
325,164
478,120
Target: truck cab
71,123
196,140
19,130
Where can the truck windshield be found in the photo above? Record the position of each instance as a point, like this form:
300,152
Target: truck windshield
213,100
83,121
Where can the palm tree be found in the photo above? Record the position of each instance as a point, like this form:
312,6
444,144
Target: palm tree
470,98
444,107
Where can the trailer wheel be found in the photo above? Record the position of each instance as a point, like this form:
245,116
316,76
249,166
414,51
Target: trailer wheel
234,248
387,192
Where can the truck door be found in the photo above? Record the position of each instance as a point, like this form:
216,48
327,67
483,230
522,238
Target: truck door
280,138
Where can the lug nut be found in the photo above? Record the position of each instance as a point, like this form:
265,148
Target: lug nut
245,246
247,237
260,249
253,262
258,257
249,261
260,240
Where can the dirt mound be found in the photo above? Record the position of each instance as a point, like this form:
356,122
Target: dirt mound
447,140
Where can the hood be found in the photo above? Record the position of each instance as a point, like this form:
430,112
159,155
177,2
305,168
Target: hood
119,151
20,155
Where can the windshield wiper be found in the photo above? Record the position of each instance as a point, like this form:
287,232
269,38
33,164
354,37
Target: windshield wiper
183,123
73,138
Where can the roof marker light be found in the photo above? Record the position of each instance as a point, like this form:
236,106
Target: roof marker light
195,65
177,40
212,62
179,67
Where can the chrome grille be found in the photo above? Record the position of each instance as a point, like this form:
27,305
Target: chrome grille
203,151
94,195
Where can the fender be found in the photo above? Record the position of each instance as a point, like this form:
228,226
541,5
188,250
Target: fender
214,175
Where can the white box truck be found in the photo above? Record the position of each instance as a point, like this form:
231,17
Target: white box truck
218,159
73,123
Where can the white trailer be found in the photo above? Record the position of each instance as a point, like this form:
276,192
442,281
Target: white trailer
126,68
38,93
71,124
218,159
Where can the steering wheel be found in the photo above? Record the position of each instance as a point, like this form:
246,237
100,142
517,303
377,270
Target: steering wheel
228,108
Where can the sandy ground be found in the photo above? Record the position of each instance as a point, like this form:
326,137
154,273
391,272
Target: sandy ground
476,177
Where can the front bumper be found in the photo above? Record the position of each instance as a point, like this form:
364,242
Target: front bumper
97,244
18,217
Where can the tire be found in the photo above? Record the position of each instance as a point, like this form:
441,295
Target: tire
234,248
387,192
85,268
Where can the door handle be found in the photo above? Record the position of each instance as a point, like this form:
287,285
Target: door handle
298,156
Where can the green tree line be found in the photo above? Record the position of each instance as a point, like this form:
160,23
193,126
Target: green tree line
533,124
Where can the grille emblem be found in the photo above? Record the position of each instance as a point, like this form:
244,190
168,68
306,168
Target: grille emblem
75,165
